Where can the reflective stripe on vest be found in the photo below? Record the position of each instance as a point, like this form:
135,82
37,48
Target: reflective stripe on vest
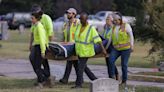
126,45
86,37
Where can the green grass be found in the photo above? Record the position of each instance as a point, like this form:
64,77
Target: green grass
141,89
26,85
152,73
148,89
16,47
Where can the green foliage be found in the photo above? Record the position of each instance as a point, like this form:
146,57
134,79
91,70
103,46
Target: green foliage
56,8
150,25
128,7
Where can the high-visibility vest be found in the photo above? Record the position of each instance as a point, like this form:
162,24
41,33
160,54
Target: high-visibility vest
71,31
107,32
84,41
122,41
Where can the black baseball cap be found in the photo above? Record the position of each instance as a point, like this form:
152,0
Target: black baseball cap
36,8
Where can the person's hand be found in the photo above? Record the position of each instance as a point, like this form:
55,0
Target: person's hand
132,49
104,52
48,48
43,55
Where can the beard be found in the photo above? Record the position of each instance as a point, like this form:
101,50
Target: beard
69,17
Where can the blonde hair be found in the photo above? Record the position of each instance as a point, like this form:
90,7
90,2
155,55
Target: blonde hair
110,16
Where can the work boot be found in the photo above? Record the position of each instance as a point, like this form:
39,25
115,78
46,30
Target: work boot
39,86
123,83
50,81
63,81
117,77
112,77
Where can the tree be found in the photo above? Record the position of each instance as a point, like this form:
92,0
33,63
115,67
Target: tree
129,7
151,26
25,6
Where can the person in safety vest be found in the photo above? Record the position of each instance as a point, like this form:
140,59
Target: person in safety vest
46,21
38,34
70,28
85,38
122,40
107,33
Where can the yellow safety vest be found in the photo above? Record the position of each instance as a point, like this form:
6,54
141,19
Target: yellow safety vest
122,42
84,41
71,31
107,33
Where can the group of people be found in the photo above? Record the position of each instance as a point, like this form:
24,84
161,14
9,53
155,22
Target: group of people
120,43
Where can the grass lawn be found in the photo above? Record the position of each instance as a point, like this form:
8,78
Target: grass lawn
16,47
152,73
26,85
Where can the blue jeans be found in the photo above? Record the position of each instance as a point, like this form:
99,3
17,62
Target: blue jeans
125,54
108,64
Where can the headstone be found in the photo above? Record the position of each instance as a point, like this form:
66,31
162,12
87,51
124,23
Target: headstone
4,30
21,28
161,67
104,85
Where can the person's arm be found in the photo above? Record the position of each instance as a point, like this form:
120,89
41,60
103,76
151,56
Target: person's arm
109,42
130,33
49,26
42,38
31,41
103,49
96,39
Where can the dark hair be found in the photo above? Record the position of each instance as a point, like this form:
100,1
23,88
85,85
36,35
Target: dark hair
119,14
36,9
37,16
84,14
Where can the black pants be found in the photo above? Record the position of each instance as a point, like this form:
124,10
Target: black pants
69,68
75,64
82,66
37,61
